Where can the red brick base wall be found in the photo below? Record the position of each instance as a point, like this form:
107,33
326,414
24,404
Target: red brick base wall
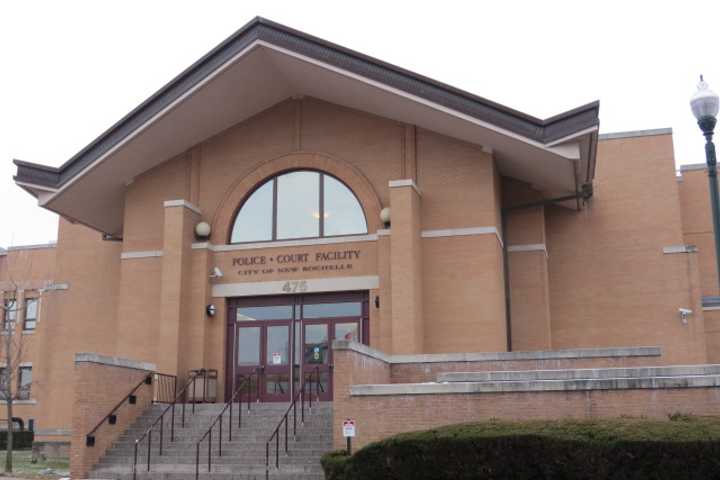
98,388
381,416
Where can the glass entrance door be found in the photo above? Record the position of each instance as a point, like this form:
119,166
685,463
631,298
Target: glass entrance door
326,318
260,330
262,346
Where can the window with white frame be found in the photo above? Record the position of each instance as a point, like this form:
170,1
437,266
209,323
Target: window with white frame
24,382
31,313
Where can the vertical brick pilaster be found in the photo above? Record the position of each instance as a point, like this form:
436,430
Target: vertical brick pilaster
405,268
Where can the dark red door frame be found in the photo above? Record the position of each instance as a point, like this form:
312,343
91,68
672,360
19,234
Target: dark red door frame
297,302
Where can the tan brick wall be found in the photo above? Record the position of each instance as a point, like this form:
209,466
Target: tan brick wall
96,390
610,283
463,295
697,225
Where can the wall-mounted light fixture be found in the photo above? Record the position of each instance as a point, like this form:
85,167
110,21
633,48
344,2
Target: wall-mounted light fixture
211,310
216,273
684,314
203,230
385,216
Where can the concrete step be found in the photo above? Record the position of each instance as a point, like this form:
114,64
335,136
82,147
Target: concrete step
230,472
273,475
580,373
243,458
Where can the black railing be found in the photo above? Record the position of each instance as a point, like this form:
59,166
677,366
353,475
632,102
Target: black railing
160,420
244,386
111,418
300,395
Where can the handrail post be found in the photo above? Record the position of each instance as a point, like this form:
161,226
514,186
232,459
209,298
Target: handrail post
172,423
277,448
230,424
197,460
294,420
162,424
135,461
286,433
220,438
209,448
149,453
183,407
194,397
267,459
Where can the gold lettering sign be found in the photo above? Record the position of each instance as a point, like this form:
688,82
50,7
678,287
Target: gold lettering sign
296,262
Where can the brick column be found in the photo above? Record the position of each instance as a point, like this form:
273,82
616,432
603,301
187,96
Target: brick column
405,268
180,219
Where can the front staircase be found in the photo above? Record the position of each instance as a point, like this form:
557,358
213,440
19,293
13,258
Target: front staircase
242,459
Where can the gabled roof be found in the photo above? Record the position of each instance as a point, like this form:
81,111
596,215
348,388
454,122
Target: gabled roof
265,62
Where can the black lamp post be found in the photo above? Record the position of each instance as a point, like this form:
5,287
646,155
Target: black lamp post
704,106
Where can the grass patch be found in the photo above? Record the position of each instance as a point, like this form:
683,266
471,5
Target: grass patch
24,468
683,446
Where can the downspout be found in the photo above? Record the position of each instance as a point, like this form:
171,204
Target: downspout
586,191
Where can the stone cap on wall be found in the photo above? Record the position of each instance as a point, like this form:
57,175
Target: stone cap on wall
684,381
114,361
499,356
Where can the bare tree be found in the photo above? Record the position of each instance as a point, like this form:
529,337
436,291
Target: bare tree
13,386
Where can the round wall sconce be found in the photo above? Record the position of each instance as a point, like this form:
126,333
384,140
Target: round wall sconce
211,310
385,216
202,230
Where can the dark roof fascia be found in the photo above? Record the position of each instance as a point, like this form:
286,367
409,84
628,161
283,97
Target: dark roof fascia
543,131
36,173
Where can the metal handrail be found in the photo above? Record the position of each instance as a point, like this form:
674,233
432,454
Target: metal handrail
237,394
112,417
160,419
284,420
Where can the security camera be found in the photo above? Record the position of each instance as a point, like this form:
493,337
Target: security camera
216,273
684,314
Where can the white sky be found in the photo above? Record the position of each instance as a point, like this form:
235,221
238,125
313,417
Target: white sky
69,70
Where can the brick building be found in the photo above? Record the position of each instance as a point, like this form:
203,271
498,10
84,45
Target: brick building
288,206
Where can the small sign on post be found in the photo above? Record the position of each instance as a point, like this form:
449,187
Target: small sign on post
349,433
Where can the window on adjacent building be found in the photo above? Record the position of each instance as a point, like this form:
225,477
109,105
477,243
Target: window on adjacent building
3,372
299,204
10,313
24,383
31,313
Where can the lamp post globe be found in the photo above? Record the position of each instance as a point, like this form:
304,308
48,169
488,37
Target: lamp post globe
704,105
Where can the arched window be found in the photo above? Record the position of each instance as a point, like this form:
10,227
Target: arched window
298,204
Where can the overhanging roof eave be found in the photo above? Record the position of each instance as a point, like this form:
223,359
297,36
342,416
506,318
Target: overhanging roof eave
543,131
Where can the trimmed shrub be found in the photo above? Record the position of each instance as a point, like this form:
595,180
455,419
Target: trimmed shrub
622,449
22,440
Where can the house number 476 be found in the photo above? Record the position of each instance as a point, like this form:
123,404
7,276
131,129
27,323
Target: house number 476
295,286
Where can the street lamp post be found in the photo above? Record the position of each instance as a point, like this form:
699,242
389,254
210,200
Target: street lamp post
704,106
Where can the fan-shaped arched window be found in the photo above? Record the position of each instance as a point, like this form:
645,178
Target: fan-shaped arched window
298,204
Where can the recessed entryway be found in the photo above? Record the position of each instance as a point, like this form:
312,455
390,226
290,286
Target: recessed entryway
260,330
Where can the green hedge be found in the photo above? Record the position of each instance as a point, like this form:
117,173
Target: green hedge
681,448
21,440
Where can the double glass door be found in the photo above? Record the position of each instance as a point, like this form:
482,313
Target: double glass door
286,339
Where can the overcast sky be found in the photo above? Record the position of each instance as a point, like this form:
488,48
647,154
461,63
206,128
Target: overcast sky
70,69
